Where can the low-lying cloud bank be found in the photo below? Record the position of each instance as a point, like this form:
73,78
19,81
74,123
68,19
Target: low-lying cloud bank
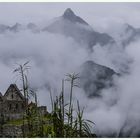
115,113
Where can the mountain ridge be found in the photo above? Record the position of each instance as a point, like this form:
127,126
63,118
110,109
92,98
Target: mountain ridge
72,25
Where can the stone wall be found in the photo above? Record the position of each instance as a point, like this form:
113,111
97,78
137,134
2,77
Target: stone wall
12,131
12,116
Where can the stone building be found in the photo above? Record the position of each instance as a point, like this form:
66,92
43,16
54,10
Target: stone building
42,110
12,103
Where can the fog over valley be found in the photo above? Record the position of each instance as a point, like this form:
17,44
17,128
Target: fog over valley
99,41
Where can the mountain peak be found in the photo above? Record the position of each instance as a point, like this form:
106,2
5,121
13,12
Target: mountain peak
129,27
70,15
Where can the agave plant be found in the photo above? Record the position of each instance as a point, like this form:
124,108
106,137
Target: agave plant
76,126
72,79
65,121
22,70
83,126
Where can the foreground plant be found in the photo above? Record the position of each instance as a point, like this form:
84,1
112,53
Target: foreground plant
21,70
65,120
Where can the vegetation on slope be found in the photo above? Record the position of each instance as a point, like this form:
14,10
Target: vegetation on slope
64,121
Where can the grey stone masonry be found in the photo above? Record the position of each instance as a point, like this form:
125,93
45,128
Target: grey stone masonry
12,104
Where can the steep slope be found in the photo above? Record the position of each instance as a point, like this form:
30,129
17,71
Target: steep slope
126,34
33,28
18,28
71,25
3,28
95,77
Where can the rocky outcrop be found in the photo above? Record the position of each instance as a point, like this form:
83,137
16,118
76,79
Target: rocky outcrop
95,77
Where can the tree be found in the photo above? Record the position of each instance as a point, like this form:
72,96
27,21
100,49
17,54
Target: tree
22,70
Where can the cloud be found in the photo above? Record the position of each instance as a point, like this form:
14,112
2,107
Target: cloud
117,112
99,15
51,56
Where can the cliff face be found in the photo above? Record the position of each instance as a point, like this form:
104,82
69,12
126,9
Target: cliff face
95,77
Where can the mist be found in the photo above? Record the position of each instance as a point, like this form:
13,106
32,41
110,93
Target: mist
116,113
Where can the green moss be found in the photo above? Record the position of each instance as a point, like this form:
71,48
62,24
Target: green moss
20,121
15,122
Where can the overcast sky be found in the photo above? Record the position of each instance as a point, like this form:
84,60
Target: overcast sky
93,13
53,55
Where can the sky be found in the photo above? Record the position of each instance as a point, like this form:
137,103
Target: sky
93,13
53,55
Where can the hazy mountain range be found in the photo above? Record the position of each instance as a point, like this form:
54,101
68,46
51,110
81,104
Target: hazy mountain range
74,26
94,76
104,51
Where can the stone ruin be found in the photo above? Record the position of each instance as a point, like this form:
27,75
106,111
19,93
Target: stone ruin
12,104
